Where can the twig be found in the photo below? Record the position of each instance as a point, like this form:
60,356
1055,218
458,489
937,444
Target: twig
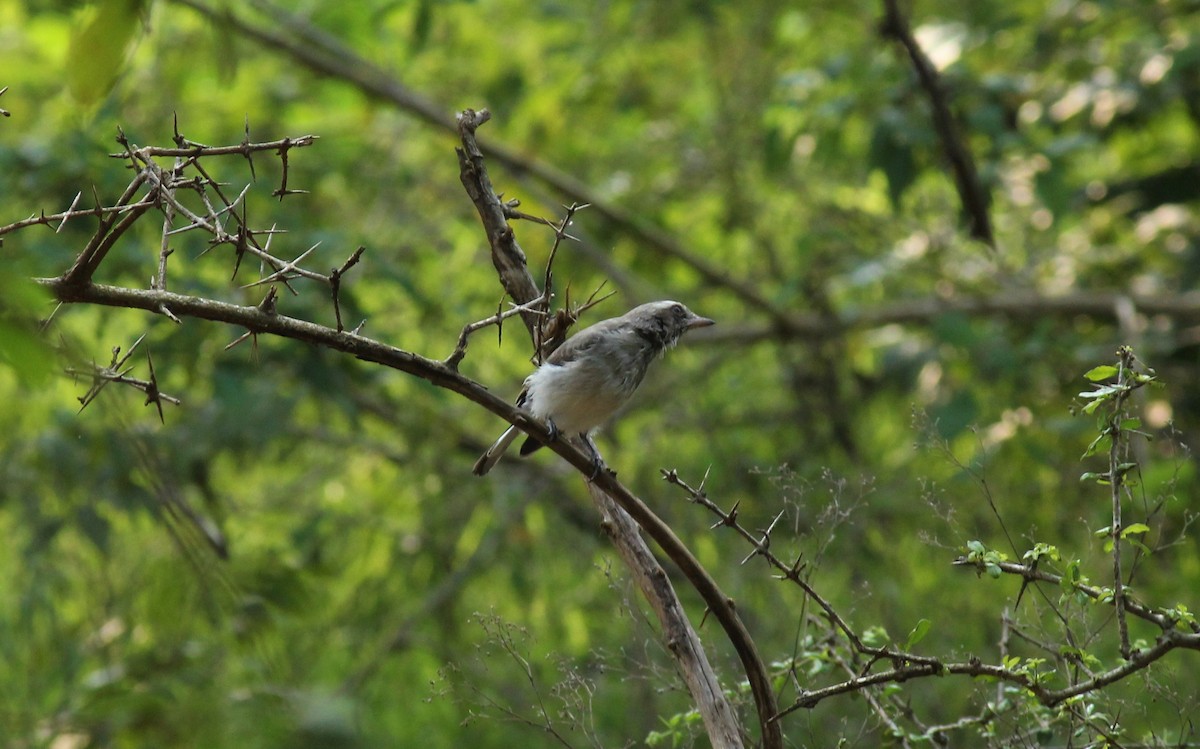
102,376
1116,476
335,283
460,349
194,150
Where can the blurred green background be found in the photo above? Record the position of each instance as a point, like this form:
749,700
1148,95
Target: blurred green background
375,593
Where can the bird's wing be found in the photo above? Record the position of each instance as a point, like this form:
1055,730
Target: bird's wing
582,342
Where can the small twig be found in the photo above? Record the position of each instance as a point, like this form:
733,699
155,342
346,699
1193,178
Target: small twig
288,271
460,349
1116,475
283,188
115,372
69,212
335,284
245,148
560,233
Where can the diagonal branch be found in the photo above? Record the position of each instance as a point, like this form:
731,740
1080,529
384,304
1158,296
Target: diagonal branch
971,192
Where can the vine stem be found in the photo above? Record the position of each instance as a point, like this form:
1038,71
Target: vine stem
1116,474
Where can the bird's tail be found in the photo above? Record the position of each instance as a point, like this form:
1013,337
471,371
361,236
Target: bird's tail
492,456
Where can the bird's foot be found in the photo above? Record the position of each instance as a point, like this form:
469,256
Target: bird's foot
598,467
598,464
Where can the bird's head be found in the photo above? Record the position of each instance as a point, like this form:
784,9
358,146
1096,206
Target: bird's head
663,323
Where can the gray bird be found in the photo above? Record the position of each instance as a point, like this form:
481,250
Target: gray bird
594,373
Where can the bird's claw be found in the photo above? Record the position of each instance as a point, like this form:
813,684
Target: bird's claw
599,466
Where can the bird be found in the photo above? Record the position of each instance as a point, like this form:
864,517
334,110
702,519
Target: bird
595,372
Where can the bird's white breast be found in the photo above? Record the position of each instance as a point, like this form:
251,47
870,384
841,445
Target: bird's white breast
576,396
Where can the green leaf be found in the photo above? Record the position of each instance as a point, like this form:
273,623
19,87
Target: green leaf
1103,372
893,155
1134,528
98,47
1092,448
918,633
1041,550
21,347
1125,468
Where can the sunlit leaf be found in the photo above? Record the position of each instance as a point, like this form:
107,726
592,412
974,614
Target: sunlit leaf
99,43
1103,372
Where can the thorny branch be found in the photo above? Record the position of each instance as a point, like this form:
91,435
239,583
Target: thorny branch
460,349
906,665
116,372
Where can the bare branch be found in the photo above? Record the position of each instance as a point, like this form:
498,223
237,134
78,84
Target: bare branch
245,148
460,349
114,372
335,283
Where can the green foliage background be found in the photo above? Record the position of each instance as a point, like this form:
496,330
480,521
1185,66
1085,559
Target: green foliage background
375,591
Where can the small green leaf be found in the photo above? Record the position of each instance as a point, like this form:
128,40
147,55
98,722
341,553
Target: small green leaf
1134,528
1095,446
1041,550
1103,372
1125,468
918,633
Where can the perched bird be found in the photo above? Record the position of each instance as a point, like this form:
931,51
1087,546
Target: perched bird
594,373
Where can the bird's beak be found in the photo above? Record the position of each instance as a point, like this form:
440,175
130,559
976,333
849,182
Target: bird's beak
699,322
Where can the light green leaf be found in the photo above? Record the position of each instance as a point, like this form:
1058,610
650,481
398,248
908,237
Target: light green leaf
918,633
1103,372
98,47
